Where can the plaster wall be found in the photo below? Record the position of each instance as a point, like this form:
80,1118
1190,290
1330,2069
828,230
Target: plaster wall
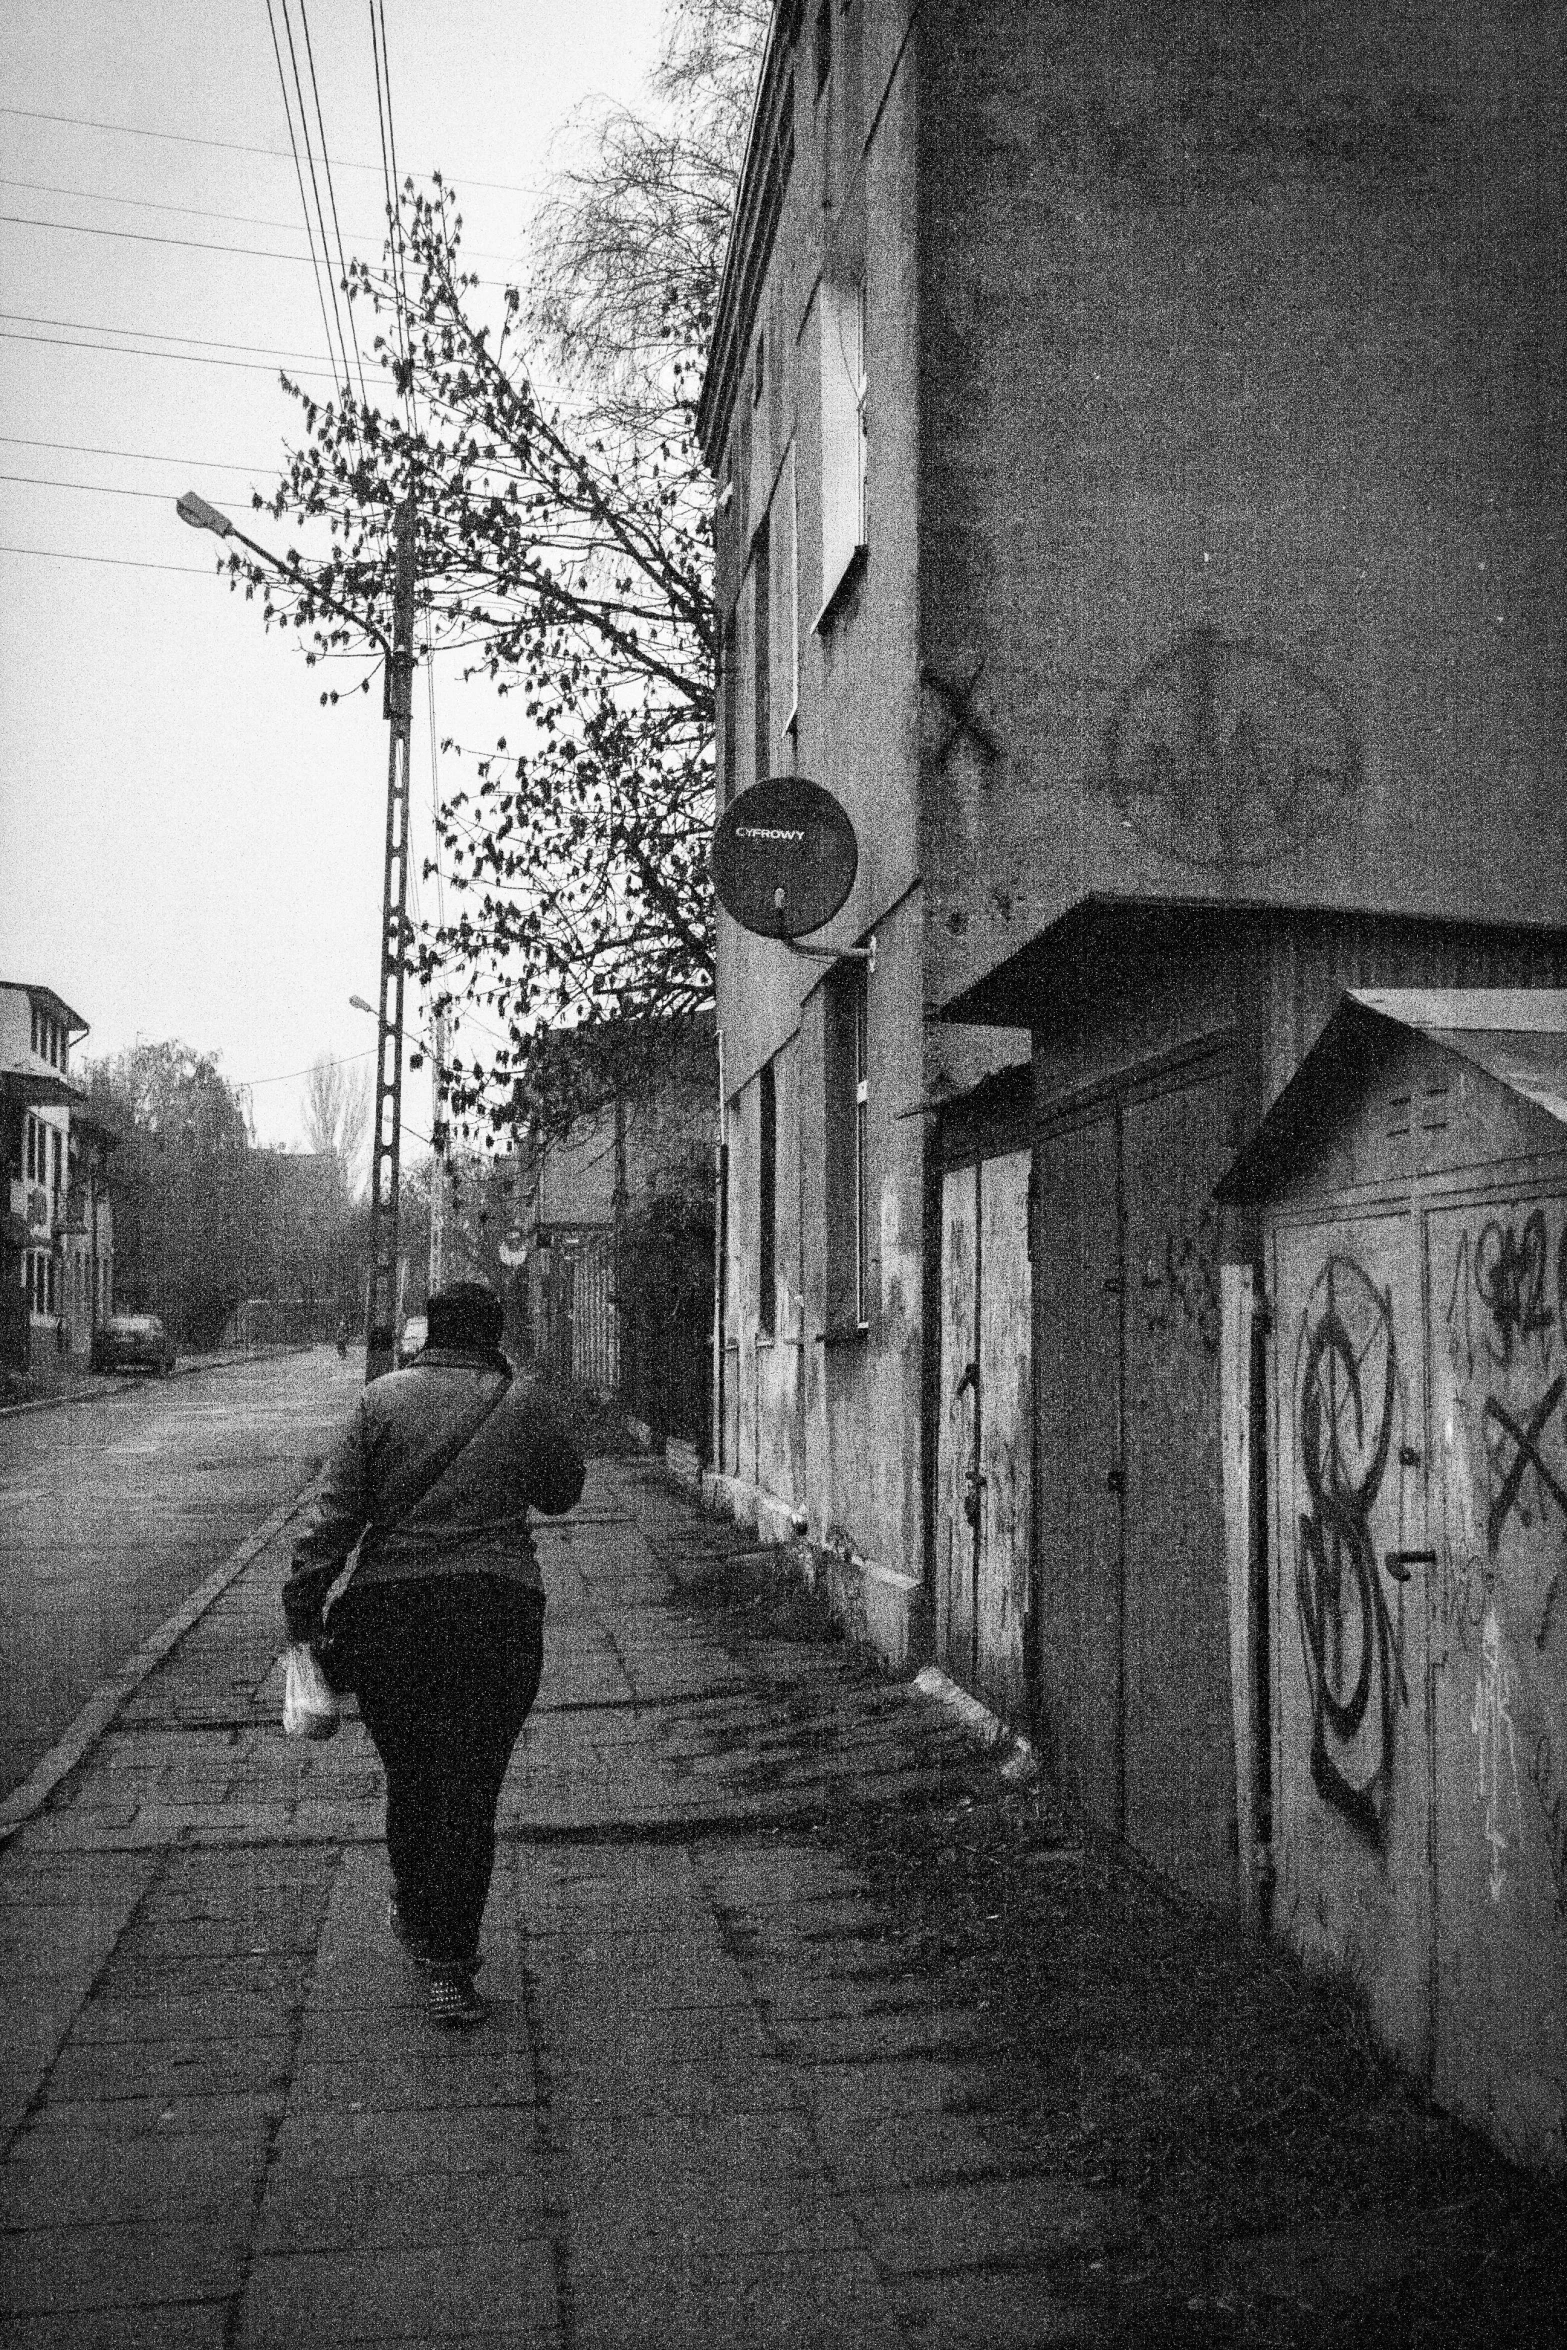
1242,459
848,213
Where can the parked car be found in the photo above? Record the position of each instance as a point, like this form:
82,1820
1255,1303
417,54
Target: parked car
416,1332
132,1342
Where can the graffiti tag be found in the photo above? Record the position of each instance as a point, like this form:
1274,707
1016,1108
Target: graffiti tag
1186,1272
1508,1487
1510,1269
1347,1391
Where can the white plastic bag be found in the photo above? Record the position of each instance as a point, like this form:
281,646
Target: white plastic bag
309,1707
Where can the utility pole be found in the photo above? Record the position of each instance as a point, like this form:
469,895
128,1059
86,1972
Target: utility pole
381,1295
438,1143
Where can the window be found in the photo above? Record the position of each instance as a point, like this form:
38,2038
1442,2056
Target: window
823,46
788,505
57,1153
34,1010
844,443
848,1169
32,1148
727,686
761,644
767,1204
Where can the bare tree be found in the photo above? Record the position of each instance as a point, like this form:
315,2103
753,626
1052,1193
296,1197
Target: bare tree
565,544
337,1115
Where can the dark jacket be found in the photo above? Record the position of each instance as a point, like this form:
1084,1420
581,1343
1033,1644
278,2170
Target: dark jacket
473,1520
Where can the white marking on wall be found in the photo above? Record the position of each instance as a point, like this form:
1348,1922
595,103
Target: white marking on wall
1491,1721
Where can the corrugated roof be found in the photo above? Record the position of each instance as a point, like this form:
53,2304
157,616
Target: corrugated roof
1516,1035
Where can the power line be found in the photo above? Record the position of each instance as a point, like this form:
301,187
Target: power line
147,204
139,236
17,440
310,236
140,351
393,200
326,166
105,489
136,130
342,1061
116,562
99,326
207,212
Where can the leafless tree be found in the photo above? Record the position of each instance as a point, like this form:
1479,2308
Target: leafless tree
337,1115
565,544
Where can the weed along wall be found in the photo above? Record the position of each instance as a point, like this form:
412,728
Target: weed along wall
1417,1277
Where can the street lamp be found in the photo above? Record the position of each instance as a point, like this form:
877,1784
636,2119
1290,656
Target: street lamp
381,1289
194,509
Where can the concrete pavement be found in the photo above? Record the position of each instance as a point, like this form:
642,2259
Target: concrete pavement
722,2096
707,2104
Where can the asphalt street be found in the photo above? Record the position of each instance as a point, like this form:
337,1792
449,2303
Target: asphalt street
112,1511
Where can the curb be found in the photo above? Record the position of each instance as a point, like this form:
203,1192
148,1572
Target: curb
109,1384
26,1801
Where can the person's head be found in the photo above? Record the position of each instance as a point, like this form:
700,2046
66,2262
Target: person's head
466,1316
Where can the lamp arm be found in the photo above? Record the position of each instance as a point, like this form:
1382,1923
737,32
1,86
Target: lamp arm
290,572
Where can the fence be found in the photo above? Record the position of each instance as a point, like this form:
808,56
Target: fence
639,1335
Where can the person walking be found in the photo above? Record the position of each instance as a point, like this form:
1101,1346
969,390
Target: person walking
440,1631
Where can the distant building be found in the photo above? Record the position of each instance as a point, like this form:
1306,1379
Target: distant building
57,1238
608,1262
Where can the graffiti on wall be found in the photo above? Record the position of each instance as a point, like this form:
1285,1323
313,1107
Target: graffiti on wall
1504,1517
1348,1407
1181,1281
1222,751
1499,1299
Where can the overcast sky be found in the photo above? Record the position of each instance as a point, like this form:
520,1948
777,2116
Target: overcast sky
189,845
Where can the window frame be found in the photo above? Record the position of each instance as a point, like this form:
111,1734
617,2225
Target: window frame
845,435
767,1200
762,646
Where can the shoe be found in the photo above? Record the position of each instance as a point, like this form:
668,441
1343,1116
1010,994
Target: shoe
452,2001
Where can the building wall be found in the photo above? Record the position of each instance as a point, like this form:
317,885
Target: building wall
1418,1707
823,1417
1242,459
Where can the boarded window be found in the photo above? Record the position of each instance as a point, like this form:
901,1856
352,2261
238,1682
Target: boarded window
844,466
761,644
786,507
848,1172
767,1204
727,696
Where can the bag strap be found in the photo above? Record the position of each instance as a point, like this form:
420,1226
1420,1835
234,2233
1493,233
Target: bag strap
435,1469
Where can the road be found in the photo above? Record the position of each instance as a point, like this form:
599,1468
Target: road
113,1511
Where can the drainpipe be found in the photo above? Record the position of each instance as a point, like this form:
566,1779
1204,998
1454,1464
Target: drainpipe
721,1272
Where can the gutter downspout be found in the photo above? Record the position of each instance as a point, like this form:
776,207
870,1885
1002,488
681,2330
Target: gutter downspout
721,1269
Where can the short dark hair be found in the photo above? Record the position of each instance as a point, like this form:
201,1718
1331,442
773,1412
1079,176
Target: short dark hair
466,1315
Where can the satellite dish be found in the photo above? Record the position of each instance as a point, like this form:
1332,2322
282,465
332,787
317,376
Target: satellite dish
784,857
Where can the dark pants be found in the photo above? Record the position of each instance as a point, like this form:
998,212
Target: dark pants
445,1673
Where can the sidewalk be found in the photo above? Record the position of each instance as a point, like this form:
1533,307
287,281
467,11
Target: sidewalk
729,2092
